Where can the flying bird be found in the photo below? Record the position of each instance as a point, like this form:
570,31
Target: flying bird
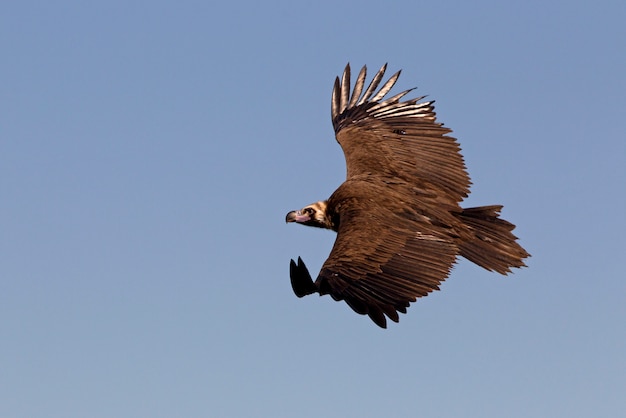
398,219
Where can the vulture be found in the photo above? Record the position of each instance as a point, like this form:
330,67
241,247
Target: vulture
398,219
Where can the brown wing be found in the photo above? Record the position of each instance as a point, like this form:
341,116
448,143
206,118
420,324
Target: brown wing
394,138
387,253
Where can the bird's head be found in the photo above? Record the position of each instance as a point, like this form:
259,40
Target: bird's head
311,215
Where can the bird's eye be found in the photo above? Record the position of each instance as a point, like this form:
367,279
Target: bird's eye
308,211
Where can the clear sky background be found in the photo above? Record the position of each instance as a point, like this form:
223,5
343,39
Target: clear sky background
149,152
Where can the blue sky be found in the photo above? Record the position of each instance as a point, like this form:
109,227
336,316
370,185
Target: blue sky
149,152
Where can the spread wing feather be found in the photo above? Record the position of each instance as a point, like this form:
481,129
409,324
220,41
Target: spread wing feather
372,86
358,87
345,89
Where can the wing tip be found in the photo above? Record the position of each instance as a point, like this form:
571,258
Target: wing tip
345,99
301,281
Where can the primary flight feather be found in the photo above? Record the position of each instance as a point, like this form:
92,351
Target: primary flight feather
398,217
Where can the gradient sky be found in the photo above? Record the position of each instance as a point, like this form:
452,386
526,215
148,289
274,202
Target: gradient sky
149,152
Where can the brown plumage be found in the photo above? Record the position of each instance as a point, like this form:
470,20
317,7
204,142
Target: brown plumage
397,216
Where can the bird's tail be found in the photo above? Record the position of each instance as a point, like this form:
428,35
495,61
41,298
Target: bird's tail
493,246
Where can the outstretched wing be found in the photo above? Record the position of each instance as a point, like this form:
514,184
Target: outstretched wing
395,138
385,255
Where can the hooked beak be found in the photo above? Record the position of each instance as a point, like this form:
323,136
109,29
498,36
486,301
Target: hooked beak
296,216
